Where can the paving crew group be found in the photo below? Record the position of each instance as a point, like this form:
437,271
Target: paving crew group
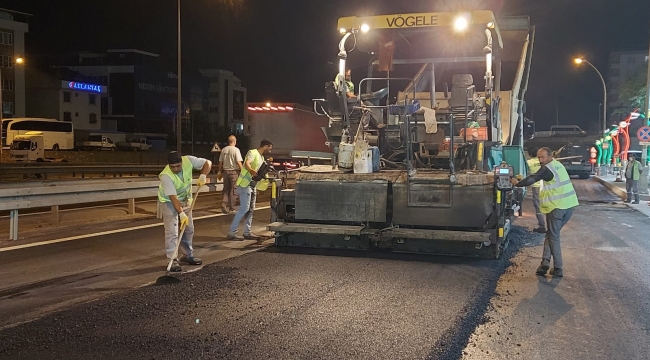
553,197
175,195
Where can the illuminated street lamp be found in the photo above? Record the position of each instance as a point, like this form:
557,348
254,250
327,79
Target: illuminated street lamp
580,61
19,61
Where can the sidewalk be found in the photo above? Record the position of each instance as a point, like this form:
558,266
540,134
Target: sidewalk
618,188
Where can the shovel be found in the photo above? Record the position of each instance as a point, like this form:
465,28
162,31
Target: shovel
167,278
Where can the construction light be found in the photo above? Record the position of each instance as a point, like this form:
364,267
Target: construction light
461,23
342,30
365,28
20,60
268,104
490,25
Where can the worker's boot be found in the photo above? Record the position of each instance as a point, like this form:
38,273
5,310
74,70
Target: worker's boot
252,236
540,230
542,269
636,198
234,236
556,272
176,267
191,260
628,199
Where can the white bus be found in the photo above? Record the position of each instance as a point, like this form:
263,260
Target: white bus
57,135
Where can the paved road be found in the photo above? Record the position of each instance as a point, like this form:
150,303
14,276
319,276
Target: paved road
273,304
42,279
599,310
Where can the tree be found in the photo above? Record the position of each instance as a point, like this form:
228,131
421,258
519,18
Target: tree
633,91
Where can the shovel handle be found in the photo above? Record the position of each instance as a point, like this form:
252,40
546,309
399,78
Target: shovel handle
182,230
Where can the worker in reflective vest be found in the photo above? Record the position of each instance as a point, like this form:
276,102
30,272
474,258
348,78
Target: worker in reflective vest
534,166
557,200
632,175
175,198
247,191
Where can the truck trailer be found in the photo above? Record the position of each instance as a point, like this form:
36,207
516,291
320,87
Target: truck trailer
297,133
426,151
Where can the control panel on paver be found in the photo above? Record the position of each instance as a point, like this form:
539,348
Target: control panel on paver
502,174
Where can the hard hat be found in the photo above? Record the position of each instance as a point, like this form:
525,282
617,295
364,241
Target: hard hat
263,184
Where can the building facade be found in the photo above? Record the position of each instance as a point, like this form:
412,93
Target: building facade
13,26
59,93
622,65
142,89
226,99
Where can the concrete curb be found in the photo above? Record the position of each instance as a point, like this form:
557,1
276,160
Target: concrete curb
615,189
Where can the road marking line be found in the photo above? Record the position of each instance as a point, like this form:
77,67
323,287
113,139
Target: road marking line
78,237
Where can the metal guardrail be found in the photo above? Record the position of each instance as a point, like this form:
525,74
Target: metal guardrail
55,194
117,170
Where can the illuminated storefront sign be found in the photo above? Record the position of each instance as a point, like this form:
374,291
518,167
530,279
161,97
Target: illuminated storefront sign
73,85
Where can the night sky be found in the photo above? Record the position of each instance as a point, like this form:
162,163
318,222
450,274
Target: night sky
281,48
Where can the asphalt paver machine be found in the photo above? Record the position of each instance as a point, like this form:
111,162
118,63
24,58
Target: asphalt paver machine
424,154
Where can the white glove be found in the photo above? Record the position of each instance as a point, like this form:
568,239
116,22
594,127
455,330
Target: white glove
184,220
202,180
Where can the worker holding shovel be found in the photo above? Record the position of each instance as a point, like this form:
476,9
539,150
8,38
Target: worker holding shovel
175,199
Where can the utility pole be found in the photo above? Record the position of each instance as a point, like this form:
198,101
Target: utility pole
178,102
557,112
643,183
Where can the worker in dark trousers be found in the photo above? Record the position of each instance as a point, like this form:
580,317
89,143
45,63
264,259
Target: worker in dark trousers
230,164
534,165
557,200
632,175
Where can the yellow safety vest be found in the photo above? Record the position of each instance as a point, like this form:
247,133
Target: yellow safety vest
349,83
245,177
636,174
183,186
534,166
559,192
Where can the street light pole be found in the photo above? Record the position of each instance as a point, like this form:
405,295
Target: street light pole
2,111
178,100
579,61
604,95
19,61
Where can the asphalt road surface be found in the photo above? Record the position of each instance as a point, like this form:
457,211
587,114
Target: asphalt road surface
264,304
600,309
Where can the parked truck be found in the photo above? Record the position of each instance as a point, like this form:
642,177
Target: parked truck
96,142
135,144
30,147
296,132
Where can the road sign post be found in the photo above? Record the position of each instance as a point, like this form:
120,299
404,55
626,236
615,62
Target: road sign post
644,140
